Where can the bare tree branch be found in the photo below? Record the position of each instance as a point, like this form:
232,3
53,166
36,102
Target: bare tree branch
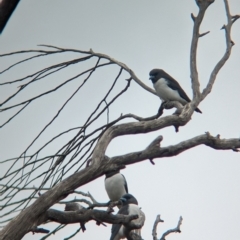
90,54
203,34
226,55
94,171
174,230
155,151
39,230
85,215
154,231
126,68
203,5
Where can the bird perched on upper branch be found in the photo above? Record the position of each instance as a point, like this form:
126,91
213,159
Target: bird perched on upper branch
167,88
115,185
129,207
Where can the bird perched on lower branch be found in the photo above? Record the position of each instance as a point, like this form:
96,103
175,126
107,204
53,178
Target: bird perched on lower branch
115,185
167,88
129,207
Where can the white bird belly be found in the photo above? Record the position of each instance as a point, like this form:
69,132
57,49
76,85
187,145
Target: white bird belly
133,209
166,93
140,221
115,187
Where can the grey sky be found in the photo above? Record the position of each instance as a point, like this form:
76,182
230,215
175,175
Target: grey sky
201,185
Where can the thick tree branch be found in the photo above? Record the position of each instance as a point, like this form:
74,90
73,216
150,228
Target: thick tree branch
133,128
85,215
155,151
82,216
139,127
68,185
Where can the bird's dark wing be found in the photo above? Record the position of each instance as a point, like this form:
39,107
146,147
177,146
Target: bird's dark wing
115,230
175,86
116,227
172,83
125,184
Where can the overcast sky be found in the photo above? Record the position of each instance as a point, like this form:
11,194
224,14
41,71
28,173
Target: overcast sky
201,185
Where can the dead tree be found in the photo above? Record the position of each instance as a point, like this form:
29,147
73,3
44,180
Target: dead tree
86,150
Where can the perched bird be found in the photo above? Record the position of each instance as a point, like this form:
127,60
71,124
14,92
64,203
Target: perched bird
167,88
129,207
115,185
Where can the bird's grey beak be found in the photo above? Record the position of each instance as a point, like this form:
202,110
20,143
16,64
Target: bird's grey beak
151,77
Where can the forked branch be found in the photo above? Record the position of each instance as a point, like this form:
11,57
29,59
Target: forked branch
229,44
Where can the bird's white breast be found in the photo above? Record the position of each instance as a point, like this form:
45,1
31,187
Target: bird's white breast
115,186
140,220
133,209
166,93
